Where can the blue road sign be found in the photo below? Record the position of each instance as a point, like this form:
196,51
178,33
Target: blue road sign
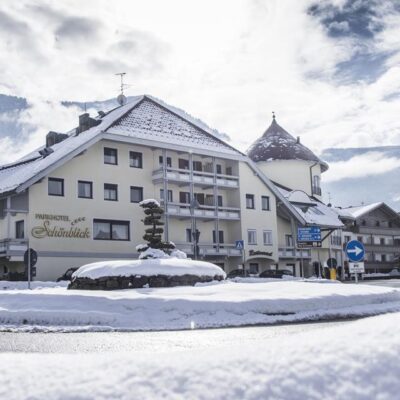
239,244
309,234
355,251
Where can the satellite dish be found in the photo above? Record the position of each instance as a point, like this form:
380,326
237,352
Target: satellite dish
121,99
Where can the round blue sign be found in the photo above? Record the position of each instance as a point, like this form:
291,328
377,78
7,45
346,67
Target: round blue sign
355,251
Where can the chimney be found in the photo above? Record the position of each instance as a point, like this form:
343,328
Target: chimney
298,139
54,137
85,123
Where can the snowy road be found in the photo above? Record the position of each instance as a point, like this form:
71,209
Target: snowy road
152,342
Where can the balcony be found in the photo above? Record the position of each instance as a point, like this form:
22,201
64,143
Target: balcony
210,249
183,210
291,252
13,247
200,178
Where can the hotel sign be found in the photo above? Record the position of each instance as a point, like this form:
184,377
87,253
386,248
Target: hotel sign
60,226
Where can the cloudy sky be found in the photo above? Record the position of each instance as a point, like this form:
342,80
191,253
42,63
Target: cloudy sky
329,69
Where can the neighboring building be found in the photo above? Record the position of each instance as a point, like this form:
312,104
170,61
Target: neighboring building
76,200
296,172
377,226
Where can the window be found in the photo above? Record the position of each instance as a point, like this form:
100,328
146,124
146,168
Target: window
110,156
184,197
253,268
265,203
136,194
289,240
170,197
110,192
188,235
56,187
316,187
360,239
377,223
220,237
347,239
218,168
135,159
228,171
250,201
183,164
161,161
220,202
197,166
383,257
85,190
104,229
199,197
251,236
382,241
267,237
19,229
363,222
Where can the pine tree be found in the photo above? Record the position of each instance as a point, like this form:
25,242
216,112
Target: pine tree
153,235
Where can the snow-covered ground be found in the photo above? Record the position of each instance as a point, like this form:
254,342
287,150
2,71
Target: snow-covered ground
208,305
355,361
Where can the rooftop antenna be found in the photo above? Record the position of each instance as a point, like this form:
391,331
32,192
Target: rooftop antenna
273,115
121,97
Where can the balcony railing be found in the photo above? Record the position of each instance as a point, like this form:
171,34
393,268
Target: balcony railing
200,178
210,249
291,252
13,247
183,210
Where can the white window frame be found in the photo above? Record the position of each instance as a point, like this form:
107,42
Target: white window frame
248,236
269,232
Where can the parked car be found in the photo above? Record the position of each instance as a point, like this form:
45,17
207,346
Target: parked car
275,273
236,272
67,275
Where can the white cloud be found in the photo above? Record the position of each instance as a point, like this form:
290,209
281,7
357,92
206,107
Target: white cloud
228,62
372,163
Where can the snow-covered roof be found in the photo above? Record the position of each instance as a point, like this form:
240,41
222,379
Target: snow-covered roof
316,212
154,120
359,211
144,117
278,144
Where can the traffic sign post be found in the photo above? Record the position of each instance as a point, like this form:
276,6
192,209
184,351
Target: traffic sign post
239,245
355,252
30,260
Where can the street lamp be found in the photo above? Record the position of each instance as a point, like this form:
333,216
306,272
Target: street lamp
195,232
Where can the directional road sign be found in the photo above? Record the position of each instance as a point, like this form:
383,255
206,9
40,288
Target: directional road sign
309,234
239,244
355,251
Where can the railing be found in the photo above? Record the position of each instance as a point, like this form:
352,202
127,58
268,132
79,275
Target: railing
203,211
13,247
291,252
210,249
199,177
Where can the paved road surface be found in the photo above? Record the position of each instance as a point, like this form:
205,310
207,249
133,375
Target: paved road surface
153,342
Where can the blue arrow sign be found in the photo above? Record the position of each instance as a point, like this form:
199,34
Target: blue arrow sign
355,251
239,244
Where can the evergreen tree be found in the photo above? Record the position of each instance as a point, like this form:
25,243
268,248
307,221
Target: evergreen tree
153,234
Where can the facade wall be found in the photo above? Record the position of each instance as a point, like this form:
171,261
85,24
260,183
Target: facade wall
293,174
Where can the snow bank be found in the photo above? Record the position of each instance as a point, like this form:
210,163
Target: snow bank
218,305
358,360
149,267
21,285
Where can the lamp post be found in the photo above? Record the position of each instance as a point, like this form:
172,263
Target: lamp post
195,232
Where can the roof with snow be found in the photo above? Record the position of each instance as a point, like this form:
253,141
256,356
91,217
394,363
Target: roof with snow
314,212
144,118
359,211
278,144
